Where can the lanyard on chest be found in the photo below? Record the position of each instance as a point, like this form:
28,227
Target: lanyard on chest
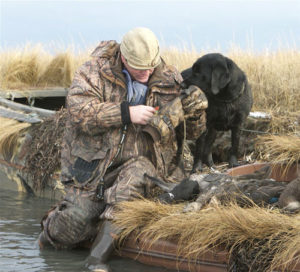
123,136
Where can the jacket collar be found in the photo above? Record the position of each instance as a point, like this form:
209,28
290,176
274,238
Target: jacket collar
109,57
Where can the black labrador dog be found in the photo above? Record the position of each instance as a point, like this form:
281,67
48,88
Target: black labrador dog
229,103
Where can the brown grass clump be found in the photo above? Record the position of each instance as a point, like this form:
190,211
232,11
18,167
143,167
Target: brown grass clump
21,68
32,67
285,123
43,155
280,149
272,237
10,133
59,72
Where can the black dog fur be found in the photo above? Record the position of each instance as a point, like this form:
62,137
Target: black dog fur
229,103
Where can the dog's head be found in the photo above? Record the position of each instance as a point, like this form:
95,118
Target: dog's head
211,73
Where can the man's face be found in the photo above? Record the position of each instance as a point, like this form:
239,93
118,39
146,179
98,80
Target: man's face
138,75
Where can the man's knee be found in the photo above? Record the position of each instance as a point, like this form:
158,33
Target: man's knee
140,165
130,182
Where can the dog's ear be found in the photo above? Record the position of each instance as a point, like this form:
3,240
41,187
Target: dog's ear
229,63
219,79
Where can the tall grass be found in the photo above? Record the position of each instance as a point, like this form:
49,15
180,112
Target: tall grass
274,77
33,67
11,131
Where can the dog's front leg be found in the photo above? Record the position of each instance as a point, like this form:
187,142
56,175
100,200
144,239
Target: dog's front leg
207,147
235,141
197,166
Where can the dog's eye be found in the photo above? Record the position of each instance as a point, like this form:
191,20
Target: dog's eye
196,70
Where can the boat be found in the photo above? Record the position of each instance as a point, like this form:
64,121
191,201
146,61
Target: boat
165,252
161,253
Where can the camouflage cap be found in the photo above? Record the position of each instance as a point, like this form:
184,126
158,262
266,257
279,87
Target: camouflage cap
140,48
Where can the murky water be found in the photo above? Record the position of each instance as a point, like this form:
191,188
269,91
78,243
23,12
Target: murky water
20,217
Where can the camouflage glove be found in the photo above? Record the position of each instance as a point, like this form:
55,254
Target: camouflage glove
195,126
163,123
194,103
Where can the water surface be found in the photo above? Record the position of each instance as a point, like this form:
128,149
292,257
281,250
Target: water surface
20,216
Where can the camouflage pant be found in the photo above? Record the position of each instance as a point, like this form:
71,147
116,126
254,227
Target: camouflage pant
129,183
75,220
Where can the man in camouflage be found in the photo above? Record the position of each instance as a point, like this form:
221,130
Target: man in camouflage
124,106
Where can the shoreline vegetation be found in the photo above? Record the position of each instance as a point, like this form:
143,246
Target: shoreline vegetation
274,76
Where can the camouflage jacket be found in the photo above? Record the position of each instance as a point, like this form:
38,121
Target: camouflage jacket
94,125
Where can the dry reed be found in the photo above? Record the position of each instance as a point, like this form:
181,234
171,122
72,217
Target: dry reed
32,67
10,133
275,77
274,237
279,149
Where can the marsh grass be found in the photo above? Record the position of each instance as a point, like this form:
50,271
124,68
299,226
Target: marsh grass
280,149
274,76
10,133
33,67
273,236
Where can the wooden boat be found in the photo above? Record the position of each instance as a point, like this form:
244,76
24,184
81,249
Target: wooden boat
160,253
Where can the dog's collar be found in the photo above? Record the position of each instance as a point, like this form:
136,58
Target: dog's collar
232,99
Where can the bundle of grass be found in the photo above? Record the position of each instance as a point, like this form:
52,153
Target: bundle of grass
21,68
11,130
279,149
59,72
43,157
270,239
32,67
285,122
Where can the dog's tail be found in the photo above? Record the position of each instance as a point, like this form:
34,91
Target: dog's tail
167,187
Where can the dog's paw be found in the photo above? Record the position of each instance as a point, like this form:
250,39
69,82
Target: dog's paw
192,207
197,167
233,162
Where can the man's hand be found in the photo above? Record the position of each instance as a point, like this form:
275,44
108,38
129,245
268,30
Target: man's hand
194,103
141,114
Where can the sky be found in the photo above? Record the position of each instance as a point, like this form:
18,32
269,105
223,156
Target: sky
205,25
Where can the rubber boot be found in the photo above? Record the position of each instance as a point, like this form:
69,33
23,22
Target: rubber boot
102,248
43,241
